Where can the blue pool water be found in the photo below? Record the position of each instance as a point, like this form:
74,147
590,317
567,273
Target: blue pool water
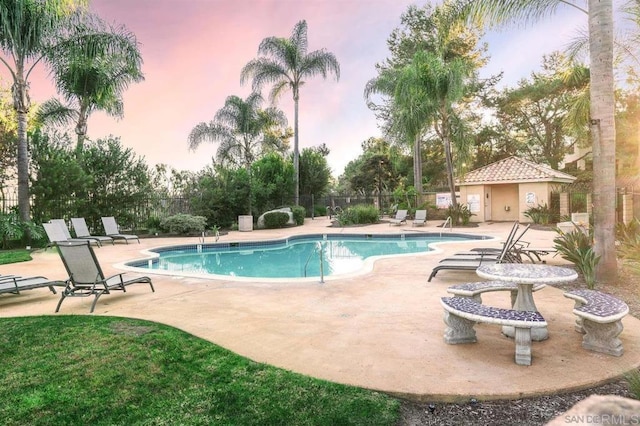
294,257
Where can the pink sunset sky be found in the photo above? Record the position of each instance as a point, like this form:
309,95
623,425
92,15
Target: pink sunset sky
193,51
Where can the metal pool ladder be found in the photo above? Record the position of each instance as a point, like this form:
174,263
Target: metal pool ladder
318,250
444,225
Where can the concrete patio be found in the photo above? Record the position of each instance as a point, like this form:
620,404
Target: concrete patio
382,330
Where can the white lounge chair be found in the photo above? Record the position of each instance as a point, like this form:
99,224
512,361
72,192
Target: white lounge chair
420,218
400,218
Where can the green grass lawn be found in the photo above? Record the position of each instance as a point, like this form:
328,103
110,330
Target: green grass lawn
13,256
71,370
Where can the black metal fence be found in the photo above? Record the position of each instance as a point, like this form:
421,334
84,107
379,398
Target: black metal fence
136,216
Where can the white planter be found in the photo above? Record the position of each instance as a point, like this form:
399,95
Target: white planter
245,223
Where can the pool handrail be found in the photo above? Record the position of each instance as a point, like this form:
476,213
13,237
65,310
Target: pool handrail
319,251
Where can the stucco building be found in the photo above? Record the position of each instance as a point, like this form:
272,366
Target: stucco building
504,190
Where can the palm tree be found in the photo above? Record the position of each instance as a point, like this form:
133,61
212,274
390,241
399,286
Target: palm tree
410,112
424,93
285,64
91,80
602,104
243,130
26,29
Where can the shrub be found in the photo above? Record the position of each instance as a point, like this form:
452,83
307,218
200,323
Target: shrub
13,230
540,215
460,214
629,237
299,214
633,379
358,215
576,247
275,220
183,224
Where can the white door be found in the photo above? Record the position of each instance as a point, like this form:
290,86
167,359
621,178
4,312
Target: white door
487,202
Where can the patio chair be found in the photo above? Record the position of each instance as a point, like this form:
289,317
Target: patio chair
399,218
471,262
15,284
55,230
112,230
420,218
86,278
82,231
514,252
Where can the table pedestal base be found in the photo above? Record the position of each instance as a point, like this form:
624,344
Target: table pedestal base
538,334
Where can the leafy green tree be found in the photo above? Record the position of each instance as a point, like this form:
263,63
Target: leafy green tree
315,173
91,67
272,182
379,169
120,179
285,63
27,28
220,194
57,177
535,114
107,180
8,138
602,102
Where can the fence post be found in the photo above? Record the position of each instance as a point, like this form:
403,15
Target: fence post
627,208
564,204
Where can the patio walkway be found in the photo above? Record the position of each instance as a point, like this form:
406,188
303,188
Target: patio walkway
382,330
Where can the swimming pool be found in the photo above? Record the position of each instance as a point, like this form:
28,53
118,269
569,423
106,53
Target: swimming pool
297,257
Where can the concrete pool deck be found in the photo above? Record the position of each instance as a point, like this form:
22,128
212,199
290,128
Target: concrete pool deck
382,330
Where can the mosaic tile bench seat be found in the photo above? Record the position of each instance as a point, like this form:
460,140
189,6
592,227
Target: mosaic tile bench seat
462,313
475,290
599,318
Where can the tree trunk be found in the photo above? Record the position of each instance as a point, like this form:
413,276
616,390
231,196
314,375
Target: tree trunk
81,128
21,103
417,164
296,152
603,136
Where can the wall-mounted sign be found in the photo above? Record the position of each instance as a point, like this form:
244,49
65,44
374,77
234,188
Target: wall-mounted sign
530,198
443,199
473,200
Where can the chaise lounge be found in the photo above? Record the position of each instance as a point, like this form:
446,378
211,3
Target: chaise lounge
86,278
14,284
112,230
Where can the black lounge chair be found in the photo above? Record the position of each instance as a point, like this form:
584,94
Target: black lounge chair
14,284
471,262
112,230
514,252
86,278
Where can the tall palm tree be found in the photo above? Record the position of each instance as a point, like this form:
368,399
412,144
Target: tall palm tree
602,103
285,64
423,94
242,129
26,29
91,80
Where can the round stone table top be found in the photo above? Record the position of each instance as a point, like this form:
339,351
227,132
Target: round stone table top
527,273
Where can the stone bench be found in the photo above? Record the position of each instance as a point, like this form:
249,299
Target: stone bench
475,290
599,319
462,313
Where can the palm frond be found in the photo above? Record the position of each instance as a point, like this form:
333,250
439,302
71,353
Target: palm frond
54,112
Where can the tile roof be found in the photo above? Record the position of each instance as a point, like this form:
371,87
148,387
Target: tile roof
514,170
